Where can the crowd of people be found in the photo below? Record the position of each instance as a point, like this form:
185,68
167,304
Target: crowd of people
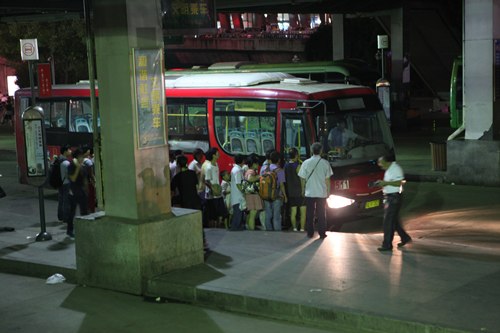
233,199
239,198
77,184
250,196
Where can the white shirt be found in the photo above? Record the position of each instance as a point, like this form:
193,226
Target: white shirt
212,175
195,166
64,170
236,179
314,171
394,172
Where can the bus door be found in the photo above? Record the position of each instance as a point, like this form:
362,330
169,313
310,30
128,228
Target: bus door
295,133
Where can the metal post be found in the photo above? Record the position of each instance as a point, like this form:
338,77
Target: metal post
93,104
43,235
32,82
383,63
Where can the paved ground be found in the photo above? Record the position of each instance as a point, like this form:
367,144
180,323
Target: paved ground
30,305
445,281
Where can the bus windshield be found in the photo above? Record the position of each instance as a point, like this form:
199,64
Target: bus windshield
353,135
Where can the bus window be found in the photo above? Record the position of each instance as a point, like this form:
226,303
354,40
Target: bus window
175,119
248,128
294,136
196,119
187,124
80,116
58,115
46,112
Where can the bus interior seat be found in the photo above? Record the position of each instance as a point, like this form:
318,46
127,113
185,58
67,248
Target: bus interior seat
60,122
236,140
251,143
82,126
267,140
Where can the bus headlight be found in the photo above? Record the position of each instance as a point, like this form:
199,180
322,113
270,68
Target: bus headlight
336,201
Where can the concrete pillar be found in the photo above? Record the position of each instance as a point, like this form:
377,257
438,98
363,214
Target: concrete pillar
305,21
225,22
479,25
260,21
338,36
496,91
294,21
476,160
139,238
397,53
237,21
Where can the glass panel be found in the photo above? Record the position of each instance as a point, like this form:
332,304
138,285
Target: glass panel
238,134
355,103
187,124
174,119
58,115
46,112
196,122
245,126
80,116
295,136
355,136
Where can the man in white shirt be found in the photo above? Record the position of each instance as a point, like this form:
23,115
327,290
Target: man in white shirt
315,176
213,193
195,164
392,187
237,196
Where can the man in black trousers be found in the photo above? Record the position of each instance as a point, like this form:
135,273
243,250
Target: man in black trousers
392,187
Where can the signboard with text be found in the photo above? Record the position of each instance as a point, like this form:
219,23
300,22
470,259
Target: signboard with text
189,14
150,97
35,152
44,80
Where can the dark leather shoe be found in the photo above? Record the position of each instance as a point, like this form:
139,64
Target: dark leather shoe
403,243
323,237
384,249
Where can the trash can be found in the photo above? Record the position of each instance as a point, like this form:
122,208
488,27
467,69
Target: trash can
438,154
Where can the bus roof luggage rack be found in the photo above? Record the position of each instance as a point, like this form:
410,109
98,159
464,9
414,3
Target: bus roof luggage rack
297,80
226,80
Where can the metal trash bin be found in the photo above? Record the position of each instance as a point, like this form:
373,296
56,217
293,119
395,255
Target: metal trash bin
438,154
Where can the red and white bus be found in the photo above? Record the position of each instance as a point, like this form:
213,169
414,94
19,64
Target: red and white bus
244,113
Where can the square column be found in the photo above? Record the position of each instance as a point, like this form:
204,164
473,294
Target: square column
139,238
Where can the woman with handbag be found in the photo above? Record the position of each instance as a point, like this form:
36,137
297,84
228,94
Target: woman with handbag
251,189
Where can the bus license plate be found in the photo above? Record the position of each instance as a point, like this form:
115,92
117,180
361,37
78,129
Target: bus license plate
372,204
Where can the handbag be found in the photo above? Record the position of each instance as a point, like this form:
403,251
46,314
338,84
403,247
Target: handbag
216,190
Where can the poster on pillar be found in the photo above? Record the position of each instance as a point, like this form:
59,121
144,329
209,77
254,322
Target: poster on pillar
189,16
150,97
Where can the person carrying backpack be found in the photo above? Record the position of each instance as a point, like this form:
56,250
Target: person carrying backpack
59,169
272,192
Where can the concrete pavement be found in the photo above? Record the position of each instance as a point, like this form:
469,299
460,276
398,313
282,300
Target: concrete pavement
445,281
30,305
